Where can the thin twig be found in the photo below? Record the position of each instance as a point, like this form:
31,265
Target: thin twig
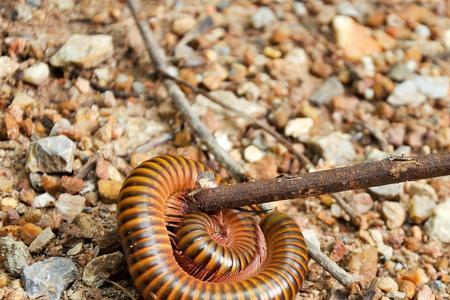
347,208
377,173
333,268
147,146
158,58
121,288
303,159
87,167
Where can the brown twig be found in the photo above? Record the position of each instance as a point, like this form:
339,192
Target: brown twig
87,167
158,58
333,268
303,159
387,171
347,208
121,288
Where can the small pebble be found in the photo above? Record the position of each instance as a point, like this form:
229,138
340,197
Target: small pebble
9,66
109,190
69,206
49,278
43,200
15,255
438,225
262,18
84,50
101,268
331,88
36,74
183,24
42,240
53,154
299,127
253,154
387,284
394,214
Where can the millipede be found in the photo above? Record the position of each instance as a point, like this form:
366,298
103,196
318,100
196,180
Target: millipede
231,254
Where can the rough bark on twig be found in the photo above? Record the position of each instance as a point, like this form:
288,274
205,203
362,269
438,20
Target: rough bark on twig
387,171
158,58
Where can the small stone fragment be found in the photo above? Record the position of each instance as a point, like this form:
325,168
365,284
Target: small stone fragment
100,268
109,190
75,249
387,284
263,17
49,278
299,127
425,293
389,191
394,214
396,295
37,73
84,50
88,227
439,224
253,154
53,154
336,148
355,39
416,276
23,100
183,24
42,240
330,89
364,263
8,66
28,232
69,206
214,76
6,184
14,254
43,200
8,203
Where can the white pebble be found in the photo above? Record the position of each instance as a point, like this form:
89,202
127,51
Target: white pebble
37,73
253,154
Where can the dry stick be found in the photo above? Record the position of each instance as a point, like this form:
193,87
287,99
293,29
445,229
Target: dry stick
181,102
158,58
386,171
303,159
87,167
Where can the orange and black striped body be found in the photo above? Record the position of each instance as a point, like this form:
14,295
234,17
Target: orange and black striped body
225,256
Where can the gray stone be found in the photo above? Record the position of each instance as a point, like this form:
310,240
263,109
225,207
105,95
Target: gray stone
7,66
100,268
36,74
433,87
389,191
263,17
415,91
84,50
406,93
49,278
69,206
336,148
15,255
394,214
400,72
53,154
34,3
43,200
42,240
439,224
329,89
300,9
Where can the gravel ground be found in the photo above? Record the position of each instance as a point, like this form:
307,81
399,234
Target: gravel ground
344,81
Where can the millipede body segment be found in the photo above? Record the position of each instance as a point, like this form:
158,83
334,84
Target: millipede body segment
227,255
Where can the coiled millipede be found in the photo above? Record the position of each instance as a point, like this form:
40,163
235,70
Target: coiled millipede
226,255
